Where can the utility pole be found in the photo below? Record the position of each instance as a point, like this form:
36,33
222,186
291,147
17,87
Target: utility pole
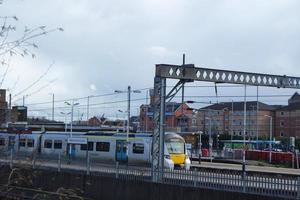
257,109
88,110
128,113
53,107
9,109
72,112
231,124
244,135
182,95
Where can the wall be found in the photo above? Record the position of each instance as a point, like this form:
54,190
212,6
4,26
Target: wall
106,188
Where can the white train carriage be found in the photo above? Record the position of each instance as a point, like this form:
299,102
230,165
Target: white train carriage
115,148
7,142
28,143
54,143
106,147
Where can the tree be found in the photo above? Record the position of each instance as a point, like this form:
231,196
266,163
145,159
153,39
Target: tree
22,45
19,42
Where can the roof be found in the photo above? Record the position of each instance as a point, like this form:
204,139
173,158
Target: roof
293,106
295,95
240,106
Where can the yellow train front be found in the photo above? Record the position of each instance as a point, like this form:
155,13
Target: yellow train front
175,151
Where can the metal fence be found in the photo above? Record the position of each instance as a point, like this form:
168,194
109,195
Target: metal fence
276,185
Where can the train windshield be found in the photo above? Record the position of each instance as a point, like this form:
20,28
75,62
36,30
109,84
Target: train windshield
175,146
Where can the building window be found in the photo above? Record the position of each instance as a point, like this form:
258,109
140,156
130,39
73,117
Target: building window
102,146
30,143
22,142
48,144
282,123
89,146
240,133
138,148
194,121
281,113
2,141
57,144
281,134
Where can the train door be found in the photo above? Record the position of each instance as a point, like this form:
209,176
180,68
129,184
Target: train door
11,143
121,151
71,150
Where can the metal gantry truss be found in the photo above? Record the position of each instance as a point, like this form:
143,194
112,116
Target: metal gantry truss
189,73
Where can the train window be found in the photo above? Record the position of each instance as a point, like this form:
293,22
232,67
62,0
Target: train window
57,144
102,146
22,142
90,146
30,143
138,148
2,141
48,144
83,147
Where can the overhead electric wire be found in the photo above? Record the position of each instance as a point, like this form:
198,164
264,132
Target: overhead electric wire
102,103
35,82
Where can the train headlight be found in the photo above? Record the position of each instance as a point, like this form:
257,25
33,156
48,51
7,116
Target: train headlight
167,157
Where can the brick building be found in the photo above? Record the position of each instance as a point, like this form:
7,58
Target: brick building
3,106
228,118
287,122
178,116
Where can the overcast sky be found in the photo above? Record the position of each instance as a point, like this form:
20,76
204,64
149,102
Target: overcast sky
108,45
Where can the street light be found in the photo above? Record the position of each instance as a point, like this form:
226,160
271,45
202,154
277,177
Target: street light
209,139
124,120
129,91
200,146
72,112
270,139
65,114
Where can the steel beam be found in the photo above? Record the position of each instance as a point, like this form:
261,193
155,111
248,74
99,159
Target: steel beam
158,129
189,72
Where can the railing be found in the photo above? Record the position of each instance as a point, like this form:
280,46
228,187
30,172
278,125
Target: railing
276,185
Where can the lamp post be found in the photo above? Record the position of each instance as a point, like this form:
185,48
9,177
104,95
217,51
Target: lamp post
209,138
200,146
244,132
124,120
129,91
270,139
72,112
231,136
65,114
52,105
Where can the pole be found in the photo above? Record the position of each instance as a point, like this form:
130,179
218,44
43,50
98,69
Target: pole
65,123
72,110
210,142
53,107
270,142
244,135
257,105
88,110
23,101
9,109
231,124
182,98
200,147
128,113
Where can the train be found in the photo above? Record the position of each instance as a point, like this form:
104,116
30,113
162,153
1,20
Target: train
135,149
